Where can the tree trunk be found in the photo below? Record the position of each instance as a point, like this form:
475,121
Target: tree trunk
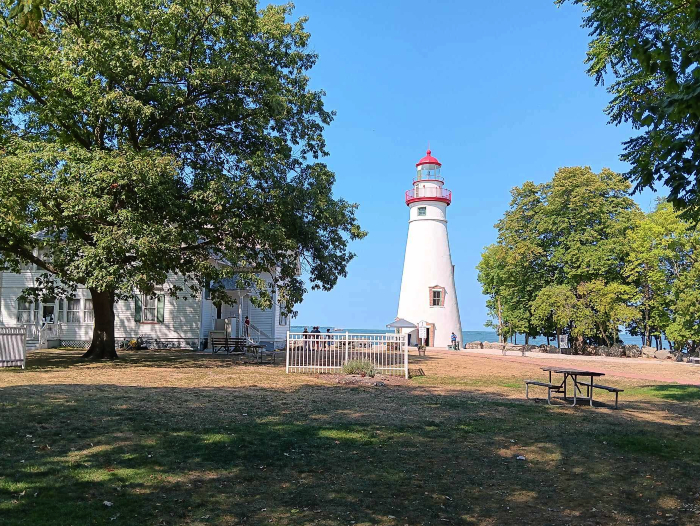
527,339
646,338
103,345
558,334
501,336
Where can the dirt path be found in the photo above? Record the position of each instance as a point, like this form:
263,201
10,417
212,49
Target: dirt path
669,372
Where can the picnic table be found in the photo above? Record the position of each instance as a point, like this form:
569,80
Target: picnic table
573,376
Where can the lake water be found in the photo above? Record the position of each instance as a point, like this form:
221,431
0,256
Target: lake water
471,336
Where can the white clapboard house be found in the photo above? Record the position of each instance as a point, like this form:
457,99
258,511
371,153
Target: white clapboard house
161,322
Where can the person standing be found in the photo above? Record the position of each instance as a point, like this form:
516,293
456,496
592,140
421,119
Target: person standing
246,327
316,336
305,336
453,339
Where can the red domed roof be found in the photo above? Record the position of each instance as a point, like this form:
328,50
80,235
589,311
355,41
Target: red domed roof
428,159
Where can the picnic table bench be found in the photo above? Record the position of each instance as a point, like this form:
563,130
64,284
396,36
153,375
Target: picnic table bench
260,351
572,374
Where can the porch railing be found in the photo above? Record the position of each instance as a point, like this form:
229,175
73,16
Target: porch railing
327,353
255,334
50,331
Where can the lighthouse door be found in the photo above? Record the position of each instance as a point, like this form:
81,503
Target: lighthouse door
423,333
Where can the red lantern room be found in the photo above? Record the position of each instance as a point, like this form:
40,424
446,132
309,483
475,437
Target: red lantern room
428,183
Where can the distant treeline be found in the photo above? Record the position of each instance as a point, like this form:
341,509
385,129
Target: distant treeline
577,256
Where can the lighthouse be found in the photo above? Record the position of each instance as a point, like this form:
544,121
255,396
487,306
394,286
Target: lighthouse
428,295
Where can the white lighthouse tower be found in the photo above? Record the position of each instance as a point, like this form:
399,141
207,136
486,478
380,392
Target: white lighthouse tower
428,296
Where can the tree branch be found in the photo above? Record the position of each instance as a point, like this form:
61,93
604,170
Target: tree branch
25,253
20,81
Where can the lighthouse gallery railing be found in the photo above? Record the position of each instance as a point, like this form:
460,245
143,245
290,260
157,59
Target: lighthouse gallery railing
429,193
326,353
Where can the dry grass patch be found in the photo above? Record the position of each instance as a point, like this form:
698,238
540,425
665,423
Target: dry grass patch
175,438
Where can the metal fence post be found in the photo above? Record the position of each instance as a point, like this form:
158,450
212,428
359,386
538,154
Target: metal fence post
404,342
287,352
347,346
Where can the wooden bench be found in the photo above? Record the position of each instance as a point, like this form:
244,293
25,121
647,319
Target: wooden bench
229,345
557,388
550,388
615,390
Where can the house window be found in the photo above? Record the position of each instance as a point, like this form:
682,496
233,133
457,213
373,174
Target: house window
73,310
25,265
421,210
149,309
283,319
437,296
25,313
61,311
88,313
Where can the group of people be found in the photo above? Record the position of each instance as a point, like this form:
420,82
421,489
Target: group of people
314,339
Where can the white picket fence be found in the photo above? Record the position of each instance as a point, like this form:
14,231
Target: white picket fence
13,347
326,353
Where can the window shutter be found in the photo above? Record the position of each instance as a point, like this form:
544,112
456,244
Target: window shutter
137,308
61,311
160,311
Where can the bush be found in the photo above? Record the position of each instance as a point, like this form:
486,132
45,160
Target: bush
361,367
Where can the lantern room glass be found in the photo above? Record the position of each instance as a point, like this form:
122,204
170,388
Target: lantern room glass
428,171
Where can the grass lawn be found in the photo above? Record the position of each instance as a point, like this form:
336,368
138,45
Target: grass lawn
171,438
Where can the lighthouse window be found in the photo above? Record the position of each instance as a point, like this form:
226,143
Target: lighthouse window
421,210
436,297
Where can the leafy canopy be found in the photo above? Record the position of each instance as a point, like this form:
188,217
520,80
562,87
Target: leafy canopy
558,260
652,49
147,137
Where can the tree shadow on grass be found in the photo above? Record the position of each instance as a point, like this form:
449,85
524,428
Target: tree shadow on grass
675,392
169,358
330,455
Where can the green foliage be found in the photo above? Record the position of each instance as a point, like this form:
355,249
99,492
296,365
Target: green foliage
559,254
555,305
652,49
601,308
141,138
576,255
361,367
657,250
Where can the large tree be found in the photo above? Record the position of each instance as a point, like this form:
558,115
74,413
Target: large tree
147,137
658,256
651,48
560,254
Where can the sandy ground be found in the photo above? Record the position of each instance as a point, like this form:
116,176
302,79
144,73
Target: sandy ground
455,363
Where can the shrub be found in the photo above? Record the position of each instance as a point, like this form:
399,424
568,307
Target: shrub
361,367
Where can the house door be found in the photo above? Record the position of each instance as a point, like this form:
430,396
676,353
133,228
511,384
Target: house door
427,336
48,313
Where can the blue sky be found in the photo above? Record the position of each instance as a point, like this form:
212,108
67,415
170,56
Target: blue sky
500,91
